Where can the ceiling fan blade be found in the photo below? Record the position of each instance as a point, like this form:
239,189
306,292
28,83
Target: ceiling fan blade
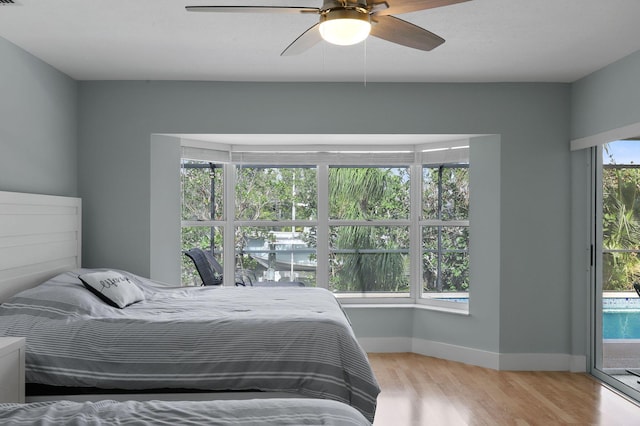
307,40
398,7
252,9
405,33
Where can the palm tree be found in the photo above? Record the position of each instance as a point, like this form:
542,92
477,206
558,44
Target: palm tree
621,227
366,194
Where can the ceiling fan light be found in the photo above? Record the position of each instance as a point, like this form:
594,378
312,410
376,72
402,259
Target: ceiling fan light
345,27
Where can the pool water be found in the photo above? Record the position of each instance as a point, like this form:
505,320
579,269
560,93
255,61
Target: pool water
453,299
621,318
621,324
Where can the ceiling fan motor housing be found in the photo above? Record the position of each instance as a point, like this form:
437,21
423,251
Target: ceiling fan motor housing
343,4
345,13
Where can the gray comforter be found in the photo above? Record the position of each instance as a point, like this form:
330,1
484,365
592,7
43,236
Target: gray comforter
256,412
208,338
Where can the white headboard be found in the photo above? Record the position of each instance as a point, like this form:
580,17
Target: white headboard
40,237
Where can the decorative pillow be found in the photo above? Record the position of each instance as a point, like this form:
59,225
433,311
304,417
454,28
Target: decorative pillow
113,288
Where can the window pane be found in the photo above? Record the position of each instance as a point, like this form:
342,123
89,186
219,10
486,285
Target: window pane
204,237
445,272
620,215
277,253
445,237
621,208
445,260
430,268
369,259
430,193
455,271
276,193
445,248
199,181
369,193
445,193
455,194
620,270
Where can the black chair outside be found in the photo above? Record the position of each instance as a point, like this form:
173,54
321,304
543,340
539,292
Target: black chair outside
210,272
207,266
637,287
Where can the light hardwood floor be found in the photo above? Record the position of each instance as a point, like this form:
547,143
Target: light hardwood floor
420,390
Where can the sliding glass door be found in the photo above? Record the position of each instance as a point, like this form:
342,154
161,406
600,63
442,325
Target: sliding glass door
616,305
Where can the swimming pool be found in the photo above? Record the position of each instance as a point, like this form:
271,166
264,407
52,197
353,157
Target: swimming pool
621,318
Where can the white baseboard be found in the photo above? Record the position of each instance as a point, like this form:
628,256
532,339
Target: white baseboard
478,357
578,364
544,362
456,353
386,344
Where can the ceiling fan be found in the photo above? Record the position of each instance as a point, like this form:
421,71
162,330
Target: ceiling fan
346,22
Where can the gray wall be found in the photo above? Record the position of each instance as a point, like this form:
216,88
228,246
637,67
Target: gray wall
603,101
607,99
481,329
116,120
38,144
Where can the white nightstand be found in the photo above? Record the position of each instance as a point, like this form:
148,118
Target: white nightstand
12,369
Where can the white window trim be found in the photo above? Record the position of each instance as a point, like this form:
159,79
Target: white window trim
456,151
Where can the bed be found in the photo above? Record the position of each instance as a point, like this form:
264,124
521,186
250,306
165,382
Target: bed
294,340
40,238
151,413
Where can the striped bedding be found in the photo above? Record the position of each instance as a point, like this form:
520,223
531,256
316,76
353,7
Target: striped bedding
257,412
204,338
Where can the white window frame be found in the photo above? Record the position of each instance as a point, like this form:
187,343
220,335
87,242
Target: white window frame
322,157
429,298
375,297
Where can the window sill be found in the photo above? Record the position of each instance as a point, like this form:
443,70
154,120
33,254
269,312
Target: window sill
463,312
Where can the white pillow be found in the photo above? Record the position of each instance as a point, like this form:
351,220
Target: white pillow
113,288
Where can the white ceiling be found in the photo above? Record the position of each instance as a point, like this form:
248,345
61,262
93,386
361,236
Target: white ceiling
486,41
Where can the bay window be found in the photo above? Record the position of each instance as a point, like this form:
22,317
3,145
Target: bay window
376,227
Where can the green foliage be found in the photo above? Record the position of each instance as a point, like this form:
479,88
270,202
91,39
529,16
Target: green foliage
275,193
364,257
197,205
374,260
369,258
196,193
445,193
368,193
621,227
446,260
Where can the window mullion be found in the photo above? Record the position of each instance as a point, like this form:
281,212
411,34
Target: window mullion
373,222
322,234
275,223
193,223
415,233
439,233
212,207
444,222
229,259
